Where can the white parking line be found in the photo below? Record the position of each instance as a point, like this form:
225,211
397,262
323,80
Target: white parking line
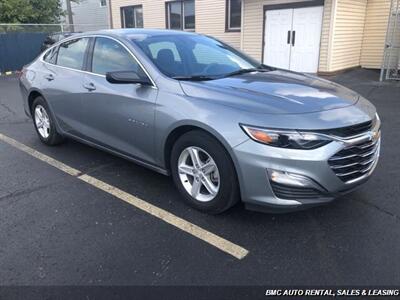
196,231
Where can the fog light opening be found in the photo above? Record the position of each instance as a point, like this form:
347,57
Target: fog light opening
292,179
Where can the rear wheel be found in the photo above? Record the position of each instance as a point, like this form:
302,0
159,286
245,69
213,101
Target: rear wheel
44,123
204,173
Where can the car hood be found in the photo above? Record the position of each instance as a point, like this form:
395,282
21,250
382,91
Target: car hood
275,92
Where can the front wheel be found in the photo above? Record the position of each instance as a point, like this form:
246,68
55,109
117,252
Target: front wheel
204,173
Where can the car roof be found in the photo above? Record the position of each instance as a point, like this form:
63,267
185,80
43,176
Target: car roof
139,33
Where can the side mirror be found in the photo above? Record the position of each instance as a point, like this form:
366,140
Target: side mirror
121,77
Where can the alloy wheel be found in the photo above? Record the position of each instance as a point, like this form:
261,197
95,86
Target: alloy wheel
199,174
42,121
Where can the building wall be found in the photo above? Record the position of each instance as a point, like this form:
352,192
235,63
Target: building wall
347,36
210,20
375,33
210,17
153,12
353,31
324,53
90,13
253,21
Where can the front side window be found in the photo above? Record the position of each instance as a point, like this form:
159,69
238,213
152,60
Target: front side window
181,15
111,56
132,16
71,54
193,55
234,14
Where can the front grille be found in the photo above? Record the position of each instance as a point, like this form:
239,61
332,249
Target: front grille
350,130
295,193
355,161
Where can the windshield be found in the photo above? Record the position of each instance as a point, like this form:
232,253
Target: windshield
180,56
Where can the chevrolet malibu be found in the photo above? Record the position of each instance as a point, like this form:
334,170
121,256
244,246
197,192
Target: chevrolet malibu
224,126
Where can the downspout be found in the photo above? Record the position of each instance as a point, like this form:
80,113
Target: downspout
331,36
110,16
242,26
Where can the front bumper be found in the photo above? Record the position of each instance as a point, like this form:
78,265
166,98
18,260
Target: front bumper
256,161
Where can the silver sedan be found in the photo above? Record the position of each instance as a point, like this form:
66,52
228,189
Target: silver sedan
224,126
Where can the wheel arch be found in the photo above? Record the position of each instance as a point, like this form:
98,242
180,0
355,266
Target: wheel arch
33,94
178,130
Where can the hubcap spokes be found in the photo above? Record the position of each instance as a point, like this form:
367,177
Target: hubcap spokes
42,121
199,174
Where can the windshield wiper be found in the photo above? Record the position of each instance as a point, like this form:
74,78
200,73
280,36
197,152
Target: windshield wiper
243,71
260,68
194,78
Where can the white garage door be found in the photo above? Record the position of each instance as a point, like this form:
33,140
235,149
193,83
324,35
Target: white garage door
292,38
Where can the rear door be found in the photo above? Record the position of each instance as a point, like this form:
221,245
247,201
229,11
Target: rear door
61,77
118,116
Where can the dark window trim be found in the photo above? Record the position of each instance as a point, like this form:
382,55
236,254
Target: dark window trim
227,29
56,59
182,15
89,57
284,6
121,12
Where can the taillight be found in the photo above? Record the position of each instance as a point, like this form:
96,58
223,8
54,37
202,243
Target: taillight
21,73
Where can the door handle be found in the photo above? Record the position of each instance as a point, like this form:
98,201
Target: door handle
293,38
89,86
288,36
49,77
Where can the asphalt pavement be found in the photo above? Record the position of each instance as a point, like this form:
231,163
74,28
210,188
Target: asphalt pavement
58,230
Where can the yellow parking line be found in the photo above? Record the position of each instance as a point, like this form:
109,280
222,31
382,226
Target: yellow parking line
194,230
47,159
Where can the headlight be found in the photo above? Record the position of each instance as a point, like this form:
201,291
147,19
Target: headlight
290,139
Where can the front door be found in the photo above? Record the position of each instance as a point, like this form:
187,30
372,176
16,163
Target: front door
119,117
292,38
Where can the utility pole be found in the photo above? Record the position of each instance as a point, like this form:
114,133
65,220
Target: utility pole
70,19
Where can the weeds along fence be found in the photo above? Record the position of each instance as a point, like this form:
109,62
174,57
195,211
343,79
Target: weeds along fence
21,43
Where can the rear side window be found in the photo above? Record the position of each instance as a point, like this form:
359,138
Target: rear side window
111,56
51,55
71,54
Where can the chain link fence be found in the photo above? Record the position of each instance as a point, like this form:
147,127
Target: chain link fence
50,28
391,58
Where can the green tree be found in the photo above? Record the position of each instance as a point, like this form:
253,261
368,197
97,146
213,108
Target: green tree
30,11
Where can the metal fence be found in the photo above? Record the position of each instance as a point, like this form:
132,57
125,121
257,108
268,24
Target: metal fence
50,28
21,43
391,58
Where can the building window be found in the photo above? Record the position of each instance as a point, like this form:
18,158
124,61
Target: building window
180,15
103,3
132,16
233,15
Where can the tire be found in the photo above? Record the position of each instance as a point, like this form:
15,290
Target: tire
222,180
47,133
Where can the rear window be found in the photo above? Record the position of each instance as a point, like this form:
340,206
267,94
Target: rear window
71,54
